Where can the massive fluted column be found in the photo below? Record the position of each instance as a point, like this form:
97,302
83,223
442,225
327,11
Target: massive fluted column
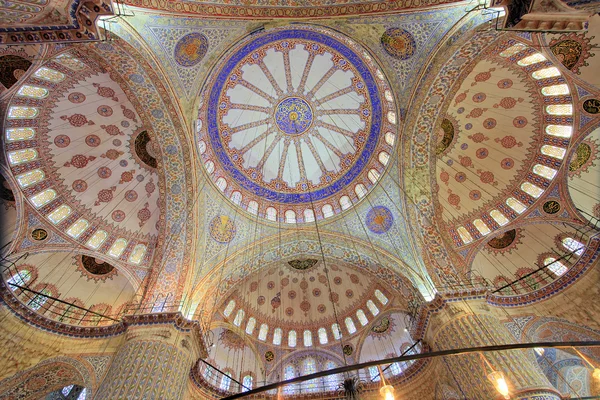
154,360
455,327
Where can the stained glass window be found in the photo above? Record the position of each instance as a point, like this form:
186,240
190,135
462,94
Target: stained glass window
573,245
202,146
221,184
331,381
464,234
239,317
307,338
20,279
345,202
31,177
277,334
247,382
210,166
225,382
516,205
481,227
512,50
322,336
83,394
32,91
310,367
65,391
384,157
70,62
560,109
390,138
499,217
97,239
49,74
289,373
271,214
292,338
337,332
391,117
39,300
59,214
396,369
559,130
374,374
532,59
381,297
250,325
557,267
532,189
360,190
327,210
555,90
253,207
350,325
137,254
229,308
236,197
13,134
43,198
544,171
553,151
290,217
373,175
309,215
546,73
262,333
19,112
372,307
362,318
388,96
21,156
117,248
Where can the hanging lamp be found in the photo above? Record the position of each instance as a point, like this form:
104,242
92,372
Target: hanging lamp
497,378
386,391
595,370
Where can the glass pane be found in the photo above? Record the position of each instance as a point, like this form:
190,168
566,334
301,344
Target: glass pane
22,112
271,214
97,239
546,73
360,190
384,157
374,374
262,333
292,339
481,227
544,171
307,338
229,308
21,156
345,202
117,248
43,198
516,205
337,333
373,175
13,134
531,189
277,334
499,217
372,307
555,90
362,318
557,267
225,382
59,214
70,62
20,279
573,245
77,228
236,197
512,50
532,59
290,217
250,325
309,215
559,130
253,207
210,166
381,297
327,211
560,109
30,177
464,234
247,382
222,184
391,116
137,254
239,316
553,151
49,74
65,391
32,91
350,325
323,336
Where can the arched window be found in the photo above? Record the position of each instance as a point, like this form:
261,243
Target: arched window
289,373
117,248
499,217
345,202
384,157
327,210
516,205
225,382
350,325
221,184
362,318
512,50
573,245
247,382
290,217
481,227
262,333
373,175
337,332
277,333
532,189
553,151
292,339
66,390
560,109
31,177
81,225
21,156
372,307
208,374
310,367
252,207
323,336
229,309
59,214
546,73
20,278
271,214
532,59
32,91
239,317
236,197
546,172
250,325
210,166
555,90
97,239
556,266
391,116
464,234
381,297
39,300
43,198
137,254
13,134
307,338
390,138
331,381
18,112
360,190
396,369
48,74
309,215
559,130
374,374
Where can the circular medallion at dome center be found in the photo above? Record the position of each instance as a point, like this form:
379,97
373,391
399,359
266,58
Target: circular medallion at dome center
293,116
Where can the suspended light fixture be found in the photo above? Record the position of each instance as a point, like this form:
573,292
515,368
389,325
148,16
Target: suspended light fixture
386,391
596,371
497,378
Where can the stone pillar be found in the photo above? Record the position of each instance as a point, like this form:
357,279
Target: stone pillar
155,358
460,328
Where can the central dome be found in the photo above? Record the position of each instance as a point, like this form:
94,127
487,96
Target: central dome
292,122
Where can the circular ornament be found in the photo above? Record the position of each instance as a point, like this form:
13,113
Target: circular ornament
269,356
398,43
76,97
62,141
348,350
293,116
551,207
118,215
379,219
39,234
222,229
190,49
79,185
591,106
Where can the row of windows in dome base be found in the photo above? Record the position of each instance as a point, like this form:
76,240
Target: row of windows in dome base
562,131
289,216
308,366
307,334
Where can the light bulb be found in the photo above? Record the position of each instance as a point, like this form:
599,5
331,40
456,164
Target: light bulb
497,379
387,392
